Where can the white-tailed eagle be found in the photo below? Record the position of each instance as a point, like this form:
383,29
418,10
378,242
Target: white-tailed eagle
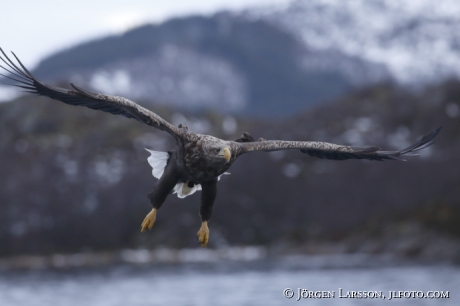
199,160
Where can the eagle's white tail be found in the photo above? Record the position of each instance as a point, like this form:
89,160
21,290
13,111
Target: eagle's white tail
158,161
183,190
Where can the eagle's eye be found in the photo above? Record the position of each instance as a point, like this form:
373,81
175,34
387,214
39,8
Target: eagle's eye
216,150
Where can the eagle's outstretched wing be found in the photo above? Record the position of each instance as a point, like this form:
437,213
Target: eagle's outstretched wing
333,151
111,104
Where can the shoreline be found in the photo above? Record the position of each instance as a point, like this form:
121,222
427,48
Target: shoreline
254,254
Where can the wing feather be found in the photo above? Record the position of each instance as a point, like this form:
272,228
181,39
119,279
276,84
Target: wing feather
78,96
338,152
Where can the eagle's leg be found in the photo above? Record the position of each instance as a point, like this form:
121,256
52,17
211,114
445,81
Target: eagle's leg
160,191
208,195
149,220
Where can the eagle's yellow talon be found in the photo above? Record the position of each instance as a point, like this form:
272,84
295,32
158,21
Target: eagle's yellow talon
203,234
149,220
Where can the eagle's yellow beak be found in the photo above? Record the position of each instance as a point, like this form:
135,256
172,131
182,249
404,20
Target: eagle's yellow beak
225,152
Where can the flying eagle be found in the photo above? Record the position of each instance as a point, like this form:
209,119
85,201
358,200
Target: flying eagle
199,160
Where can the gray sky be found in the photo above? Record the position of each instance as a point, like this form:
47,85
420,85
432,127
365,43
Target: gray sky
34,29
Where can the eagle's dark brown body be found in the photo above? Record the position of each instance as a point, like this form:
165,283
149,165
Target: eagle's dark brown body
199,159
194,157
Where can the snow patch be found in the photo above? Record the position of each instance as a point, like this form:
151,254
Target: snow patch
174,76
416,41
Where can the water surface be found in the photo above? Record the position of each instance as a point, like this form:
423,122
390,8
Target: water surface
224,283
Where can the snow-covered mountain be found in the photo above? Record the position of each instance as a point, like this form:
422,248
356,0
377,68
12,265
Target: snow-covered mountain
414,41
270,61
225,63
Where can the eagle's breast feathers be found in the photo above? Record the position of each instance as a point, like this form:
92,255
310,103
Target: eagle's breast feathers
159,160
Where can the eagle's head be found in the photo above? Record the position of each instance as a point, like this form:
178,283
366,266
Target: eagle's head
222,153
216,150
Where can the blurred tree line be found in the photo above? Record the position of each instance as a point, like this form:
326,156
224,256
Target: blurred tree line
74,179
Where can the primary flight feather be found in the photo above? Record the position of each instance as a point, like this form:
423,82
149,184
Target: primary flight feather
200,160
